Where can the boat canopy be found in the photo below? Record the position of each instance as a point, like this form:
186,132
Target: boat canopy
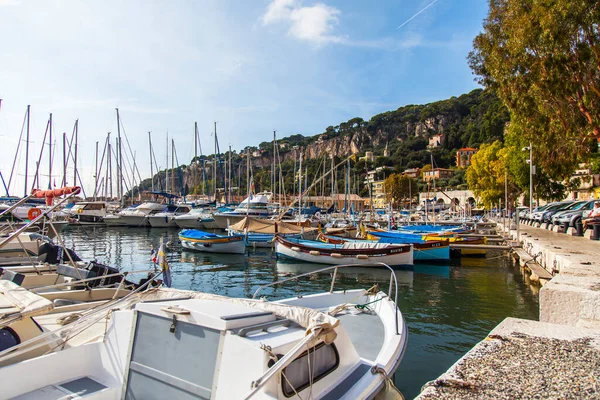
268,226
15,299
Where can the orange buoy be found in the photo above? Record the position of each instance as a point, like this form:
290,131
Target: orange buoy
33,213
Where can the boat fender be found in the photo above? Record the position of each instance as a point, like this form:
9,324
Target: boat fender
336,255
315,253
295,248
362,256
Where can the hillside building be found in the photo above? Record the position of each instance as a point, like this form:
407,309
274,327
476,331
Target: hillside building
463,156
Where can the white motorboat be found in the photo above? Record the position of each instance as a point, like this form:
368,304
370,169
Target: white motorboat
138,217
253,206
166,218
89,212
166,343
197,218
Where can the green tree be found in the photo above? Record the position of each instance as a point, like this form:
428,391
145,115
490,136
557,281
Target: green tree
542,58
397,188
485,175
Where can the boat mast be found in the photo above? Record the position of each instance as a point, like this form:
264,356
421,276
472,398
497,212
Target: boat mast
95,174
64,177
50,156
229,178
215,165
248,179
75,153
173,166
109,181
151,163
27,150
119,161
300,186
167,166
273,167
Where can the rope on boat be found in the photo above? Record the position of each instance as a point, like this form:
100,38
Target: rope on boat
390,391
371,291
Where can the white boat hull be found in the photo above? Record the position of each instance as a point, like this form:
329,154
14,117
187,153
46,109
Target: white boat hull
160,221
405,258
135,220
236,247
113,220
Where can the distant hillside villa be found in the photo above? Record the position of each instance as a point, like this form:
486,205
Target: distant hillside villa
437,173
463,156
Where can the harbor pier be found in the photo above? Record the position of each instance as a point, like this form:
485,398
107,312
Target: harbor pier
555,357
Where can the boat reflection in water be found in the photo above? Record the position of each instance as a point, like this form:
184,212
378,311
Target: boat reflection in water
358,274
433,269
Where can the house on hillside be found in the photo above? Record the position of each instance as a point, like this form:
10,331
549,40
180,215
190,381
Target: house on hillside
437,173
463,156
436,141
412,172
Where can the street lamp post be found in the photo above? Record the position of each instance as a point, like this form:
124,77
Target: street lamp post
531,172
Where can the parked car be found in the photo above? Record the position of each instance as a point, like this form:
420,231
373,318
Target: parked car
564,205
538,213
574,214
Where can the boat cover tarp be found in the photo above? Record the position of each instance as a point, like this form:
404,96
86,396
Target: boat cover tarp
17,299
307,318
197,234
268,226
366,245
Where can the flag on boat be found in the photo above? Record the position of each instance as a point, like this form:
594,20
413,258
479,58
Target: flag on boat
164,265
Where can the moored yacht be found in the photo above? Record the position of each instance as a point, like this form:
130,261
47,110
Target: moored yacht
166,218
197,218
253,206
138,217
89,212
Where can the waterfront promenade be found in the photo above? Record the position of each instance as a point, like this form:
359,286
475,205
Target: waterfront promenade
555,357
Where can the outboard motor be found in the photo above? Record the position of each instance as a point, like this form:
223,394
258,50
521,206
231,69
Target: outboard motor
53,254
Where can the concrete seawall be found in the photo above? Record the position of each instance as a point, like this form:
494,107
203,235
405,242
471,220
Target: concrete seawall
558,356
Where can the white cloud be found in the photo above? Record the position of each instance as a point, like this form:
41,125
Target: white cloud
312,24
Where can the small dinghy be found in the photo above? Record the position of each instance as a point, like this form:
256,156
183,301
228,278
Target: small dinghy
173,344
347,252
194,239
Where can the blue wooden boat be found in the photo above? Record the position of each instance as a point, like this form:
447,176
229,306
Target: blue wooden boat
194,239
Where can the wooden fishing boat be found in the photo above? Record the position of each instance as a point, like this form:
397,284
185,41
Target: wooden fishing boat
423,250
194,239
167,343
348,252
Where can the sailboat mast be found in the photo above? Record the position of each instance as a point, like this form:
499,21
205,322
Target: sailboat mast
167,166
50,156
75,152
119,161
109,169
64,177
172,166
229,178
27,150
273,167
248,179
215,165
195,141
300,185
96,174
151,163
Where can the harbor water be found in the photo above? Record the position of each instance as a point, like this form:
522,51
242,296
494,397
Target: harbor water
448,308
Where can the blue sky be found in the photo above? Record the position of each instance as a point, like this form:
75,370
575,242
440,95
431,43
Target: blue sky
253,66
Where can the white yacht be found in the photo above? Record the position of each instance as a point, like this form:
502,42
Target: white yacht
89,212
138,217
197,218
166,343
166,218
253,206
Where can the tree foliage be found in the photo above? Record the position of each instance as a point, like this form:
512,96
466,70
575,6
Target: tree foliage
486,173
543,59
398,188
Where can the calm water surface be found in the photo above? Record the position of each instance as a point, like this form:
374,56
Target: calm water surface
448,308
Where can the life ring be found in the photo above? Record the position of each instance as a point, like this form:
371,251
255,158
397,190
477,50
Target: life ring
318,215
33,213
79,210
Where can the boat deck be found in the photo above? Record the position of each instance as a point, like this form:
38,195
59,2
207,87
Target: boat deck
365,331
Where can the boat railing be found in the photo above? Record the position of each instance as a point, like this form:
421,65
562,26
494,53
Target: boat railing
72,329
335,268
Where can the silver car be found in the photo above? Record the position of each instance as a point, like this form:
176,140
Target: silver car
575,214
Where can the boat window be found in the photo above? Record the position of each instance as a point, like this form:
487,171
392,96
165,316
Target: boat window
94,206
8,338
324,358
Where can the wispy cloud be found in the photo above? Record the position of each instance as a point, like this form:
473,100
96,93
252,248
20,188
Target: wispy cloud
9,3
